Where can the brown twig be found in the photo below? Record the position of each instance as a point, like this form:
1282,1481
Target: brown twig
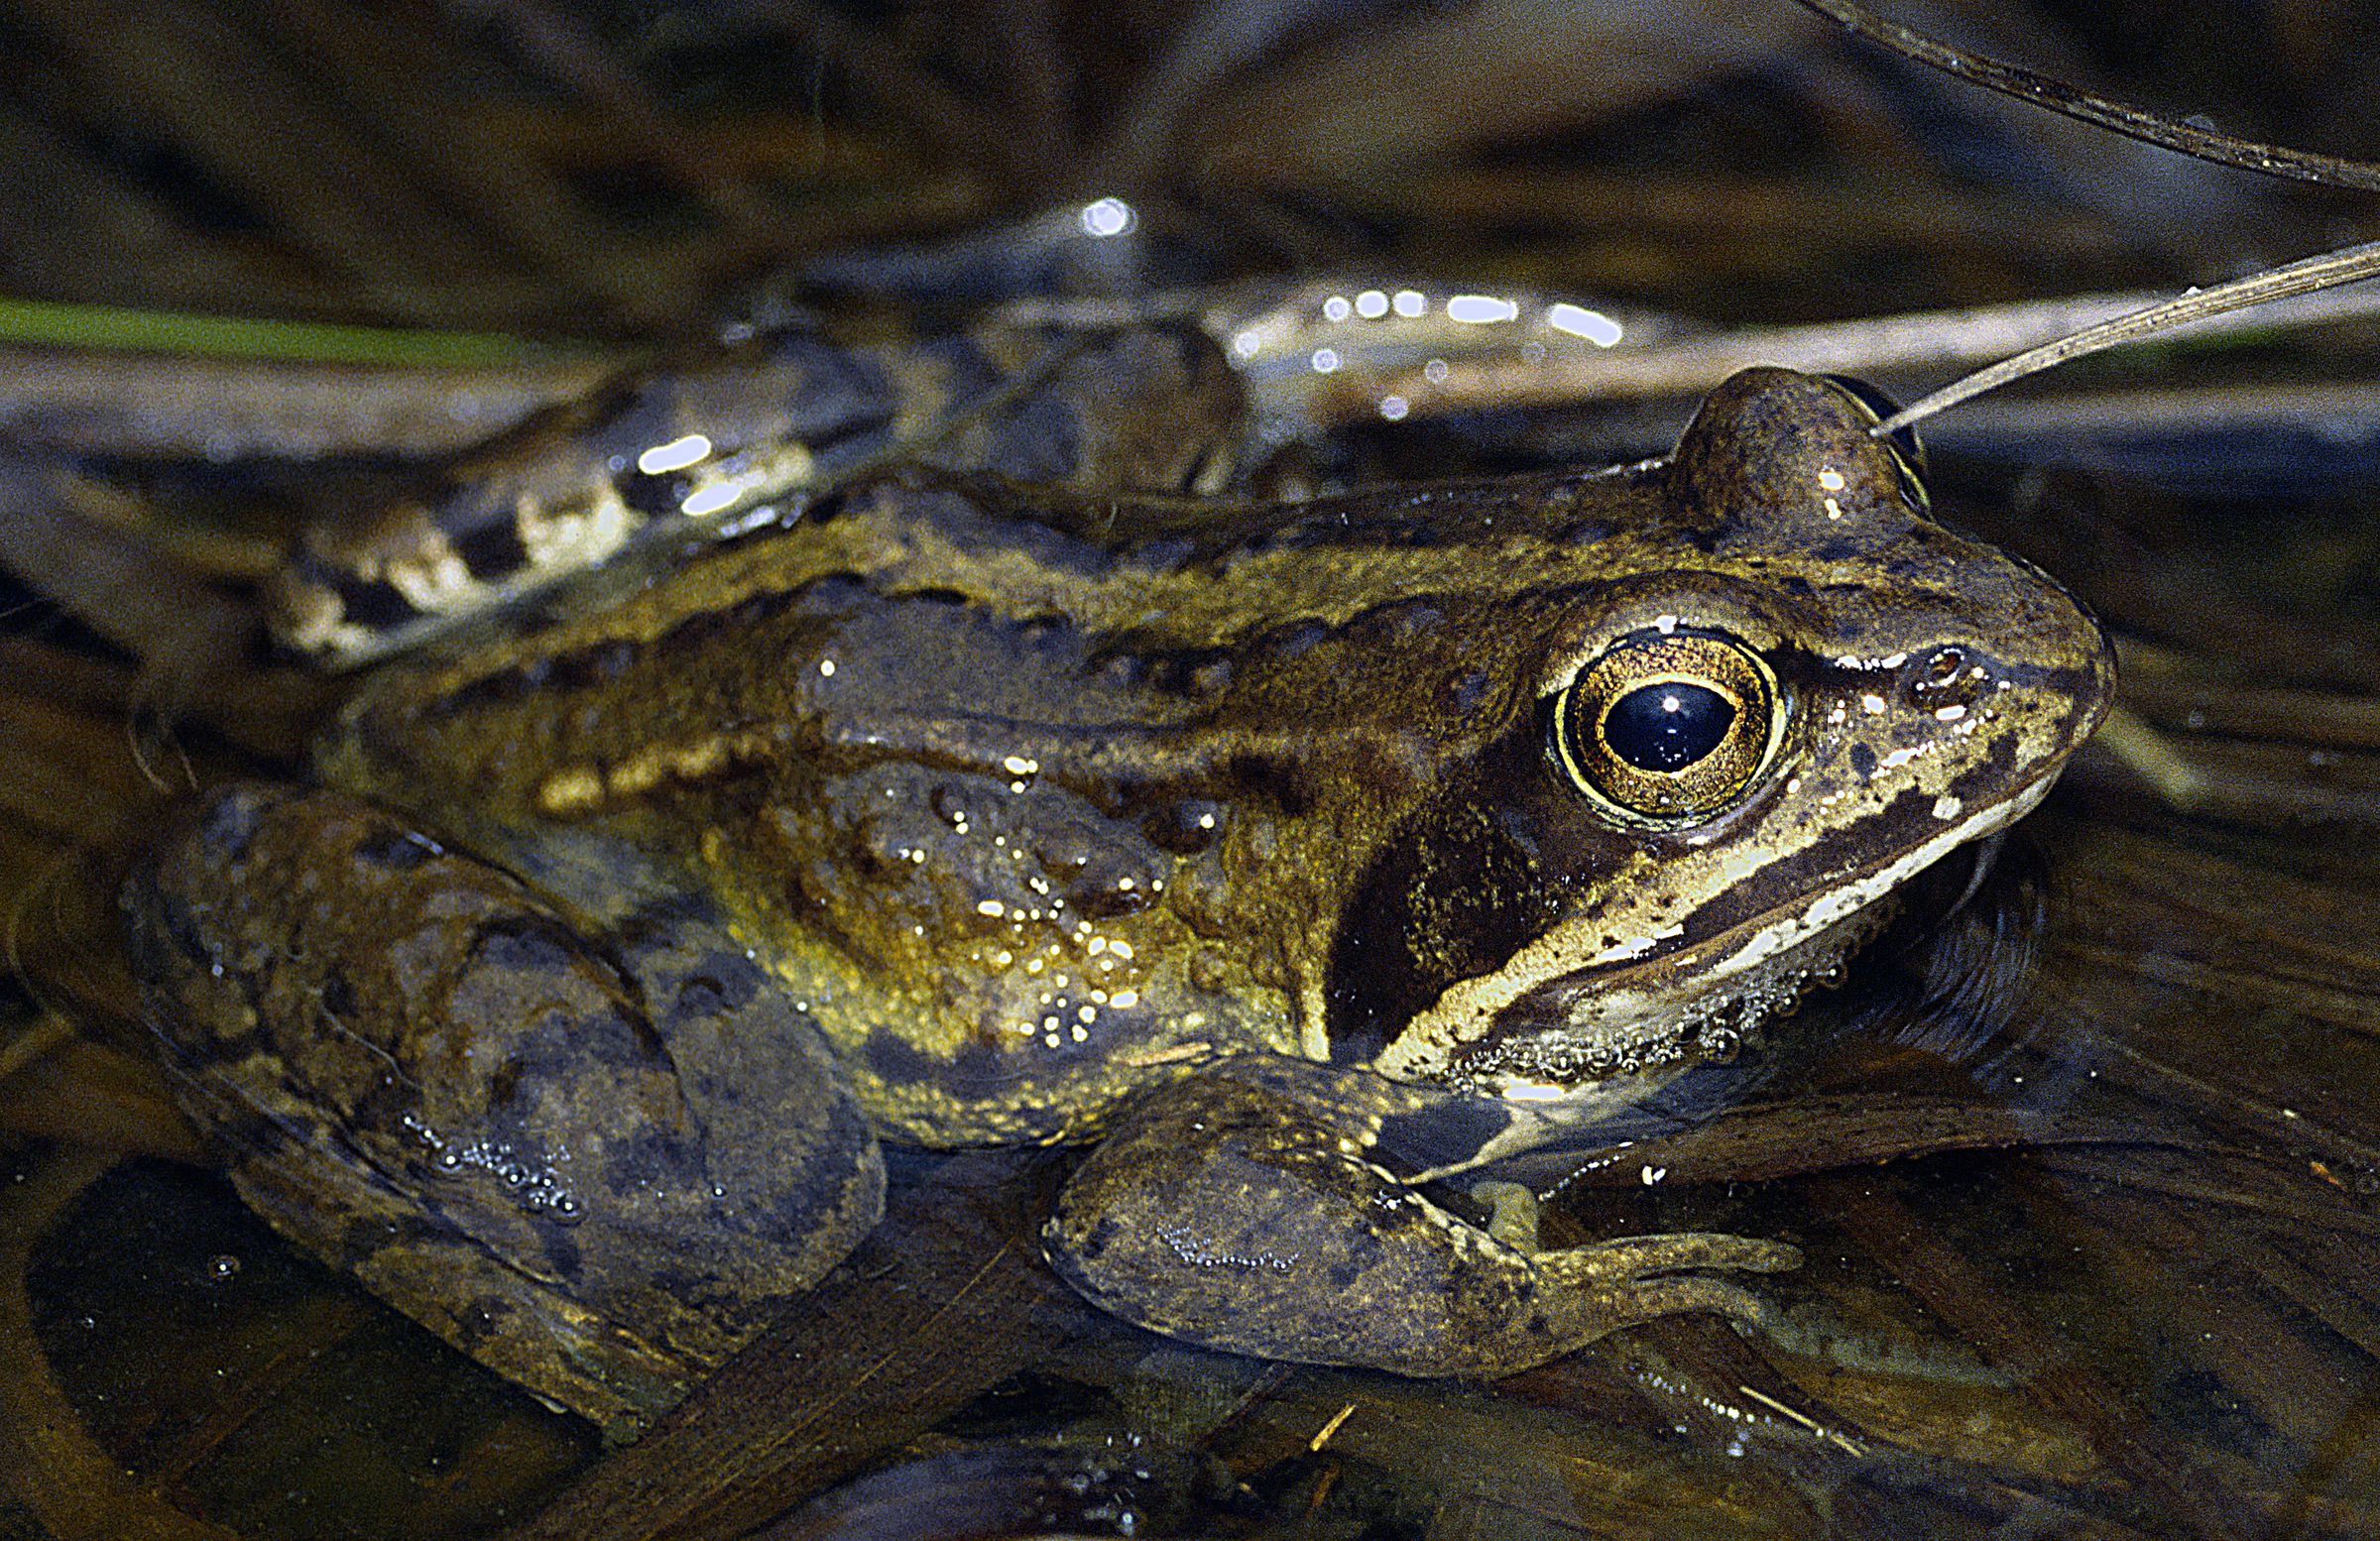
2070,100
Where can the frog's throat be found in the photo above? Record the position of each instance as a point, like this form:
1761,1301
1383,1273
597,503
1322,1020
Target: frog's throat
1646,1013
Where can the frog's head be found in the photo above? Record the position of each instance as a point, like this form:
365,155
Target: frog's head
1785,692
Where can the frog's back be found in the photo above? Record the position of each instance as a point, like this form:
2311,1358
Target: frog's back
1024,800
1034,798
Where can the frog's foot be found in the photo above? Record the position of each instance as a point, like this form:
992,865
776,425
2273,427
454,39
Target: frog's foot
1243,1210
594,1178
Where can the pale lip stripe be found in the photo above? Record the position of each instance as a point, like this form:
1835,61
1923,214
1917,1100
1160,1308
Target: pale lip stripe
1474,1003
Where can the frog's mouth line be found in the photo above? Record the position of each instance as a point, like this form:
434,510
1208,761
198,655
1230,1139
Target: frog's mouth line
1550,1043
1772,939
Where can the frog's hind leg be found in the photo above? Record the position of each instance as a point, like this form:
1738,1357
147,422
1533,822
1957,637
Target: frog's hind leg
1247,1209
590,1163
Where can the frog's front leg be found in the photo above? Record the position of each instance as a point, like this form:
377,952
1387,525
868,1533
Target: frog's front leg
590,1161
1245,1209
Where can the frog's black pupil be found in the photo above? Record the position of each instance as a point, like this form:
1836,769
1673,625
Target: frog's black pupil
1667,727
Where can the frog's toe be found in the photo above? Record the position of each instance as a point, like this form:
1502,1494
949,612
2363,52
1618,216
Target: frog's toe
420,1071
1638,1278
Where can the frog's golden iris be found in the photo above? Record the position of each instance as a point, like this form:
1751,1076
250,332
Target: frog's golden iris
1663,730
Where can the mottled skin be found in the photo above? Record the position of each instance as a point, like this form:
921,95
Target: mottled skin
967,812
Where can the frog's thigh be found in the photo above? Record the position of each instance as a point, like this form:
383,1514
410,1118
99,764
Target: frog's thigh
593,1180
1243,1209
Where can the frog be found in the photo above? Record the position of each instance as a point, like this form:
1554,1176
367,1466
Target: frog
1296,860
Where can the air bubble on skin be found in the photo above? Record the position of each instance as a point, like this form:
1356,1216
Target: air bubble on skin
538,1185
1336,308
1195,1252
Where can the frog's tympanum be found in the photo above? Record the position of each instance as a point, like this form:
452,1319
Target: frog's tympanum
1262,844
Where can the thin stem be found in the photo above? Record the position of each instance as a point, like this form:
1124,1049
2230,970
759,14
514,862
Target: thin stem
2064,96
2328,269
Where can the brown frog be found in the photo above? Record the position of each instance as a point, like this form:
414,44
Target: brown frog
1263,843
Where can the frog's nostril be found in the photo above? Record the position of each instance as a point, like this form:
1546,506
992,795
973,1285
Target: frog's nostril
1946,676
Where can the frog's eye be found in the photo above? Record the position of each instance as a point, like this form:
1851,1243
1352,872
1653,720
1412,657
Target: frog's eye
1908,452
1668,729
